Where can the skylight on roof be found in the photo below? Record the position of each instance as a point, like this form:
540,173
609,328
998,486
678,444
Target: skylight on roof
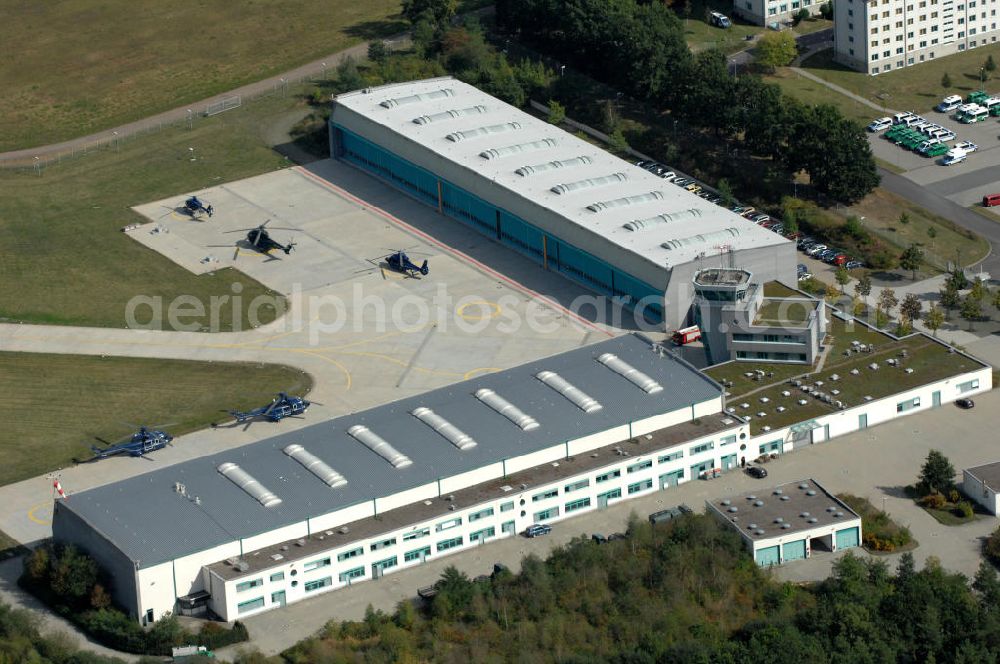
506,151
449,115
525,171
458,136
702,238
581,399
252,487
660,219
379,446
589,183
415,99
507,409
446,429
316,466
627,200
633,375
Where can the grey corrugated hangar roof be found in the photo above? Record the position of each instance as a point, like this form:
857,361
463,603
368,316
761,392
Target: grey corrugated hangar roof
151,522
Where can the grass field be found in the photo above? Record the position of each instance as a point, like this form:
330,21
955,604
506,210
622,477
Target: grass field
79,66
916,88
811,92
55,405
65,260
700,35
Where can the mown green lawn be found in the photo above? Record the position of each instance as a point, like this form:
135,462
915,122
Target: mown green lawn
76,67
56,406
64,257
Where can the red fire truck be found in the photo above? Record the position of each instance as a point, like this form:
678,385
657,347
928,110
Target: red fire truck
687,335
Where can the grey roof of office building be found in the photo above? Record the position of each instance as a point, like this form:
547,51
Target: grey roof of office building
459,122
148,520
988,473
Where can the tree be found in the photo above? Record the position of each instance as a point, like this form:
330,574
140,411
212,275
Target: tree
910,308
348,76
945,81
934,319
990,65
864,287
950,299
726,191
931,232
436,11
912,258
887,300
996,298
801,15
557,112
972,309
979,290
617,142
842,277
904,218
853,227
775,49
937,473
826,10
957,280
378,51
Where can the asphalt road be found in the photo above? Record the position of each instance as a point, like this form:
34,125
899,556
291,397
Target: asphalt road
938,204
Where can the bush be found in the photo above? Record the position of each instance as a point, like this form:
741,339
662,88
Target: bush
963,510
934,500
953,496
991,547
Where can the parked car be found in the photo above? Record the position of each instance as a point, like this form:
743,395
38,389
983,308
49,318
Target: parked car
805,276
815,249
599,538
760,218
853,265
719,20
802,268
714,198
682,182
968,146
965,404
669,513
613,537
757,471
954,156
537,529
668,175
748,212
949,104
880,125
694,187
991,200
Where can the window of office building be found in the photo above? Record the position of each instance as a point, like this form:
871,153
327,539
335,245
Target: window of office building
704,447
375,546
642,465
481,514
576,486
909,404
544,515
483,534
417,554
250,605
353,553
247,585
355,573
672,456
278,576
451,523
609,476
416,534
545,495
318,583
315,564
969,385
575,505
640,486
506,507
449,544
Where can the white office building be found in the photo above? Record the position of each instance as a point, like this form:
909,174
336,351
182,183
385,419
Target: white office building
883,35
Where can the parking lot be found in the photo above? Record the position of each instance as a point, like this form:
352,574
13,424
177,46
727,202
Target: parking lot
964,183
876,463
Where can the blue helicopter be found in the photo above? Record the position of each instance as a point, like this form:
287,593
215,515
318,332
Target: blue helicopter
281,406
400,262
143,441
193,206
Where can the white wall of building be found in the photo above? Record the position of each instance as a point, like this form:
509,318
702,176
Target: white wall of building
471,478
982,493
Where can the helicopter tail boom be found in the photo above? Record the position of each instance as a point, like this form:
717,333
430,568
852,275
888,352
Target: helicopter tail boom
424,269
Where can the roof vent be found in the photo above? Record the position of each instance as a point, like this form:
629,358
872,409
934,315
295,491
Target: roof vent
506,151
811,492
778,492
752,526
414,99
453,434
343,530
316,466
507,409
758,503
284,547
803,486
786,526
506,488
449,115
702,238
650,223
379,446
734,509
626,201
242,565
300,542
759,531
582,401
589,183
812,519
804,515
633,375
785,498
727,502
245,481
276,557
458,136
525,171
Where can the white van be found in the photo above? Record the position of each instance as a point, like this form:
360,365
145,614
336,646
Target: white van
949,104
901,117
954,156
912,120
979,114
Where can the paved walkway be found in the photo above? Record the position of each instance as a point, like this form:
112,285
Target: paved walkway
840,90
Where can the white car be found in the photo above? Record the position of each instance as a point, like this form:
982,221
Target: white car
949,104
954,156
880,124
968,146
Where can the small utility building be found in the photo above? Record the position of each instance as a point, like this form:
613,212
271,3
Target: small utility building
982,484
789,522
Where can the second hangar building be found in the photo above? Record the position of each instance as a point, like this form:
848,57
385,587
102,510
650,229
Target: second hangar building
570,206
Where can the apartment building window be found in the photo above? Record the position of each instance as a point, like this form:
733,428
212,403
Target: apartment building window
640,486
481,514
851,51
885,14
481,535
968,385
247,585
909,404
909,61
417,534
375,546
923,31
874,43
875,30
771,11
545,515
642,465
278,576
934,14
886,40
575,505
886,54
850,38
673,456
909,35
446,525
506,507
909,21
350,574
899,50
874,70
316,564
250,605
551,493
417,554
607,476
704,447
576,486
449,544
874,57
850,12
353,553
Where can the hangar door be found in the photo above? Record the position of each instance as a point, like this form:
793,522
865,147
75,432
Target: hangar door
794,550
847,538
768,556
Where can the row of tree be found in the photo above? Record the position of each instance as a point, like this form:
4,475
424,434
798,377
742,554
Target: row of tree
640,49
686,591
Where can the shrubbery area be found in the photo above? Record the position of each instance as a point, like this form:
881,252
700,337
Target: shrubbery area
936,492
881,533
687,592
70,583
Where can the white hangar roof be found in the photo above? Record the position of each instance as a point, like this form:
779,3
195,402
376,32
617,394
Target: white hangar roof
588,187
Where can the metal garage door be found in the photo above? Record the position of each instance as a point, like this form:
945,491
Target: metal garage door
768,556
794,550
847,538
